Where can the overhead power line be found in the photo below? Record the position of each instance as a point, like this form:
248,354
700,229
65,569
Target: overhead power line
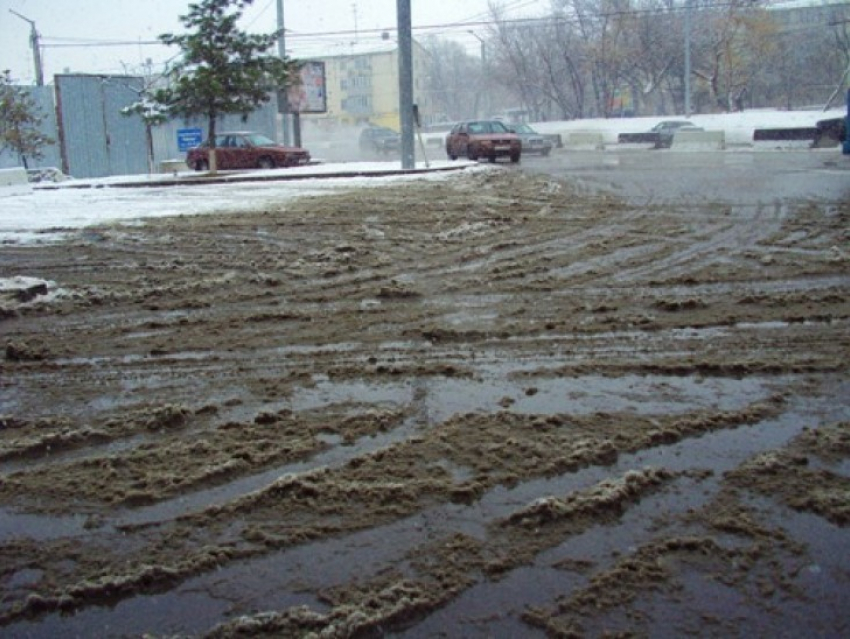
70,42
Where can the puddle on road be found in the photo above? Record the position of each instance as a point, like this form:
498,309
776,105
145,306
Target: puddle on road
445,397
435,400
39,527
282,579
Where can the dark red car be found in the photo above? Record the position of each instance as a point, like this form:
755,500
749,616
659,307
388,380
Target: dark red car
246,150
489,139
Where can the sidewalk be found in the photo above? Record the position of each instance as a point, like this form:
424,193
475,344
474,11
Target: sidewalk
313,171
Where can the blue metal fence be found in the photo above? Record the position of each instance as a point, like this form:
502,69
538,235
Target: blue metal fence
96,139
82,113
165,137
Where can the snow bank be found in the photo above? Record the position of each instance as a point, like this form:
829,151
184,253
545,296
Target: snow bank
14,182
47,214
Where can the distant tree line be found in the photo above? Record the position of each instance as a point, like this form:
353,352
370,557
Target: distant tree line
607,58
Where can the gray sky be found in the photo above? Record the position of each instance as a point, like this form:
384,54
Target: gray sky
112,36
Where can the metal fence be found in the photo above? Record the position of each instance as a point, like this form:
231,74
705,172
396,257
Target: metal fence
95,138
263,120
82,113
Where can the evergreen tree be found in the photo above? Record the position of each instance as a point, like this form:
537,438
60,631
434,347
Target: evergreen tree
20,119
150,111
222,68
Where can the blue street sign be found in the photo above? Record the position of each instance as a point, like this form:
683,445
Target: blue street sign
188,138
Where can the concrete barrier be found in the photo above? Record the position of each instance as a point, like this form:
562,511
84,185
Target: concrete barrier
700,139
46,174
585,139
14,182
434,140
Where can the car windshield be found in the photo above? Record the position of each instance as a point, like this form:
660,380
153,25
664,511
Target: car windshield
665,126
259,140
523,128
487,127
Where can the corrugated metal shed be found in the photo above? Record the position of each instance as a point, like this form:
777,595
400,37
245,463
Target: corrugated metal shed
97,139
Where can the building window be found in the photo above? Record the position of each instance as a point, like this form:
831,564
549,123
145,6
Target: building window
358,104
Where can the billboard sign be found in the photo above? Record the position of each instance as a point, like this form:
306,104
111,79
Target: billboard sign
309,95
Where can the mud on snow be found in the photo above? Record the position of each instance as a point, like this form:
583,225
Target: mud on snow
495,405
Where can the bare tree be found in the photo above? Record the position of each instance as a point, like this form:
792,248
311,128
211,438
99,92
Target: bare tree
454,78
733,39
587,53
656,72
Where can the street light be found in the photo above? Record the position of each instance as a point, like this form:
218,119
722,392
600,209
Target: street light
405,83
36,49
283,98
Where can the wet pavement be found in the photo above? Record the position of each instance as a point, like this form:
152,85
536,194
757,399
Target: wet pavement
357,407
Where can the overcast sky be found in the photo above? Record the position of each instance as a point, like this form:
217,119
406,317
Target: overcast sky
83,36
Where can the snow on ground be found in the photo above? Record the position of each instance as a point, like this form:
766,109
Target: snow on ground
739,127
49,213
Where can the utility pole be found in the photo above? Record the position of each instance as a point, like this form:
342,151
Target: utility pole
687,58
282,96
405,83
35,43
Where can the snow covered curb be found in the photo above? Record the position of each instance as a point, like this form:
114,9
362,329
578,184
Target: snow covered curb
49,214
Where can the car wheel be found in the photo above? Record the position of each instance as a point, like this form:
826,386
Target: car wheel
515,157
202,165
265,163
546,153
492,159
471,154
452,157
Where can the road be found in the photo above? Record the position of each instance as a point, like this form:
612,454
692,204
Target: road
742,177
594,393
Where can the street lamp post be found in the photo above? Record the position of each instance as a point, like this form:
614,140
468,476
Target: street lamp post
405,83
283,97
36,49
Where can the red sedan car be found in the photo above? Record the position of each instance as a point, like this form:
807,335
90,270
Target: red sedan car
489,139
246,150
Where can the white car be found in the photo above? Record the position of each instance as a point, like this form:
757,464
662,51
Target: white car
532,141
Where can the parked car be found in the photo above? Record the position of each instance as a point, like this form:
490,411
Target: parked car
246,150
661,135
434,134
532,141
668,128
830,132
489,139
380,139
